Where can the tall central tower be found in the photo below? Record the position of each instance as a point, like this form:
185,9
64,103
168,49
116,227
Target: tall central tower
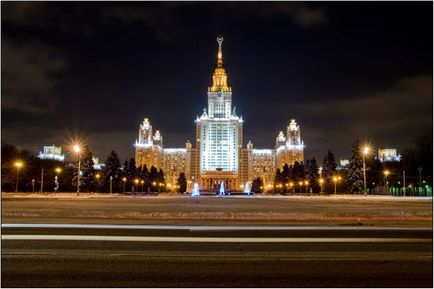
219,134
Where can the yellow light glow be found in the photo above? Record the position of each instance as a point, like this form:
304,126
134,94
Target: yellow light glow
335,179
366,150
306,183
154,183
97,176
386,172
300,183
136,181
124,179
291,184
18,164
321,181
58,170
142,181
77,148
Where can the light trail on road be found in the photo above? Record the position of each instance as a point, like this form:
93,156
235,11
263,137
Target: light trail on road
211,239
212,228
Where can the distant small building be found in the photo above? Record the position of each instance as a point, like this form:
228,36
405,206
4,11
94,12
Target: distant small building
388,155
52,153
344,163
96,165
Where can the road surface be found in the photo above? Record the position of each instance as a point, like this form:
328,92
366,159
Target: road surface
214,256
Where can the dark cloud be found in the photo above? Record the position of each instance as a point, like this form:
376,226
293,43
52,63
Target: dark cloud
95,70
388,118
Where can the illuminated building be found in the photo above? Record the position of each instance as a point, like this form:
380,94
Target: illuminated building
388,155
217,155
96,164
52,153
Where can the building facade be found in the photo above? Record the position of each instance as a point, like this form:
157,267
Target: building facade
388,155
217,154
52,153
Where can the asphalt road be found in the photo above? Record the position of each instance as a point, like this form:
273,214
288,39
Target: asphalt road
242,257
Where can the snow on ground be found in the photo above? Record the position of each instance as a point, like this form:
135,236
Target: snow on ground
173,208
209,195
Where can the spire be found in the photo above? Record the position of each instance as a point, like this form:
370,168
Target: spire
220,54
219,83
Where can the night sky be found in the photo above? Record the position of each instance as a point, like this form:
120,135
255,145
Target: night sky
95,70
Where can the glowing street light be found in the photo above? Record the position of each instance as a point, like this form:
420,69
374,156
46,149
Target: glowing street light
301,184
386,173
56,178
77,149
124,179
97,177
18,165
335,180
321,181
142,182
365,151
306,183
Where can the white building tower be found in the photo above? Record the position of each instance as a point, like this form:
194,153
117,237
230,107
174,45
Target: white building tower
219,134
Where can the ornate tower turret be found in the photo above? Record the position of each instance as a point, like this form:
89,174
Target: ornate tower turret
219,94
148,146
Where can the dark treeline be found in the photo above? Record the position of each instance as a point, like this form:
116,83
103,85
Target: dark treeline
416,162
123,178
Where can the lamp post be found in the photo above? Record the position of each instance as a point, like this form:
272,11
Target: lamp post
306,183
301,185
335,180
386,173
142,182
321,181
136,182
364,152
420,176
77,149
18,165
33,185
56,179
124,179
97,176
111,185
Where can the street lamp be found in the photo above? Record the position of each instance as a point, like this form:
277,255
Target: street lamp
111,185
142,182
124,179
365,152
18,165
321,181
386,173
97,177
136,181
306,183
301,184
56,179
335,180
77,149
